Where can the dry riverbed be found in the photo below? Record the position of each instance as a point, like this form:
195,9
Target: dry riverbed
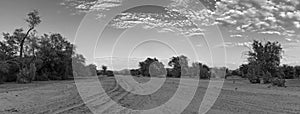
62,97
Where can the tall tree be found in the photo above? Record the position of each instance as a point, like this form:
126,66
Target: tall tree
264,58
180,65
33,20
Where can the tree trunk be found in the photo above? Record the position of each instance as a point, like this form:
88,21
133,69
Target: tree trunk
23,40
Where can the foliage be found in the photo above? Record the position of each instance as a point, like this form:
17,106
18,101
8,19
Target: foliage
297,71
289,71
278,82
105,72
104,68
92,68
244,70
180,66
151,67
23,76
135,72
204,71
263,62
56,54
33,20
4,69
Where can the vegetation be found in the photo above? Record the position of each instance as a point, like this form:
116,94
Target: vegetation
105,72
151,67
264,65
26,57
180,66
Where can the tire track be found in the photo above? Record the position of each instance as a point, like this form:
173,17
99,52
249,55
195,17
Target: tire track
91,99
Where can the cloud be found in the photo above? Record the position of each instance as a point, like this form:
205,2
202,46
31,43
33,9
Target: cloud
236,36
271,32
234,44
86,6
262,16
167,21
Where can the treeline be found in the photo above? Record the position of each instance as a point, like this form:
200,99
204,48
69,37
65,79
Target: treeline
26,57
287,71
179,68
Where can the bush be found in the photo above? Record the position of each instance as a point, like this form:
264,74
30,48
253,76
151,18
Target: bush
254,79
110,73
32,71
23,76
267,78
11,76
278,82
42,77
135,72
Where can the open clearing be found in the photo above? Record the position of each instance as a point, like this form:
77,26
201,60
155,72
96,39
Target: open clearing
62,97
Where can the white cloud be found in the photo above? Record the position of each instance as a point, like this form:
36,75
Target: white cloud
234,44
297,24
271,32
262,16
162,22
236,36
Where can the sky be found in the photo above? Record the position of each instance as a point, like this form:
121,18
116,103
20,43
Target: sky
144,30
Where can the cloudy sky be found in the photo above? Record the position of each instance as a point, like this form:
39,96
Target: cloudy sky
122,29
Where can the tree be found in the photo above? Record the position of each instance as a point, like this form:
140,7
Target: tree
135,72
204,71
244,70
78,65
262,59
33,20
56,53
289,71
151,67
180,65
92,68
297,71
4,69
104,68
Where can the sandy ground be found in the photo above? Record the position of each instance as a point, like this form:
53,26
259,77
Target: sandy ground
62,97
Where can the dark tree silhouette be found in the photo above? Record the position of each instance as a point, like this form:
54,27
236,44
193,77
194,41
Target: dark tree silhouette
151,66
104,68
180,65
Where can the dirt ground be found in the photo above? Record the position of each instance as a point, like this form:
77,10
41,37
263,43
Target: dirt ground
62,97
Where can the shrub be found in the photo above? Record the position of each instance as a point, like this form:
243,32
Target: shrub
267,78
278,82
110,73
135,72
42,77
23,76
32,71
